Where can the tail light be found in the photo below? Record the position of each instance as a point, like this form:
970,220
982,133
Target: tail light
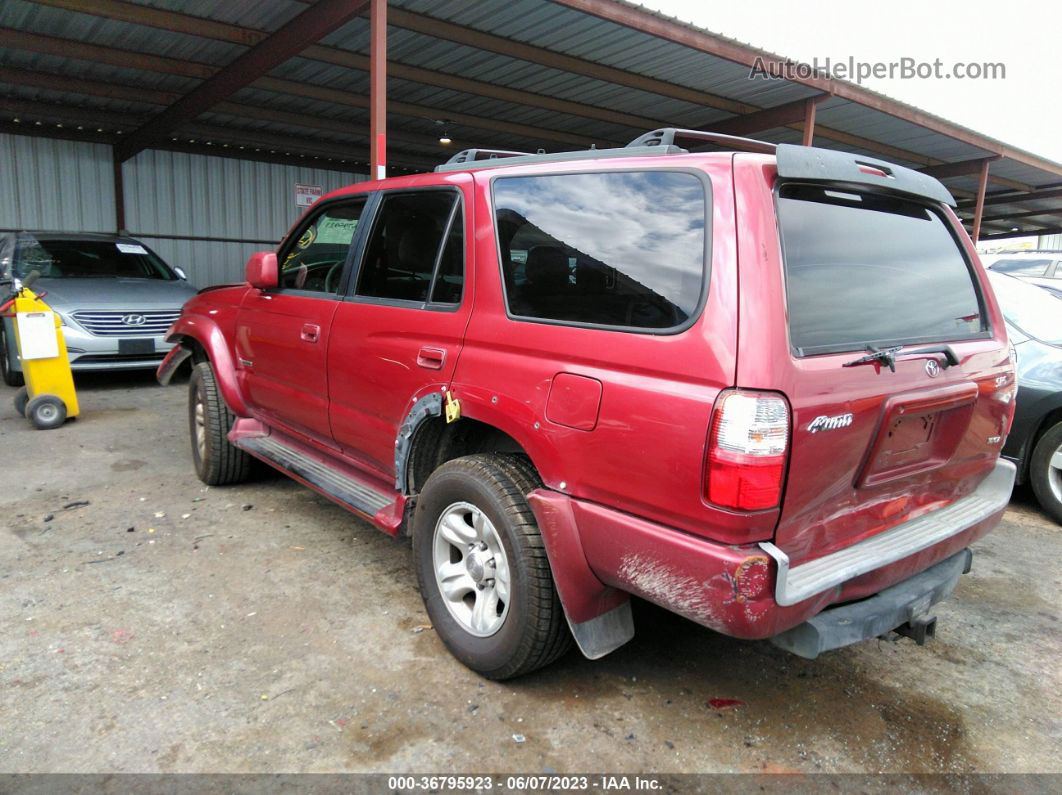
746,454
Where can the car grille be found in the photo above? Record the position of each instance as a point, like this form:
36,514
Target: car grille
117,324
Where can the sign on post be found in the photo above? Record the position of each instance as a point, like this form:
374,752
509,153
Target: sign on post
306,195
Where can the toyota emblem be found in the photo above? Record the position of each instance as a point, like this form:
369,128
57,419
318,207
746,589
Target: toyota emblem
932,368
134,320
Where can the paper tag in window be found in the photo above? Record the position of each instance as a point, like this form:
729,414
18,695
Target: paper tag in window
131,248
36,335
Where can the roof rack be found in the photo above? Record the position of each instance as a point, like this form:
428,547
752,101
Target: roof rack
655,143
471,155
667,136
453,164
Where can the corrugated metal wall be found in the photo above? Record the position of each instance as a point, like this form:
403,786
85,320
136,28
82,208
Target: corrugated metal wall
1050,241
195,196
68,186
47,183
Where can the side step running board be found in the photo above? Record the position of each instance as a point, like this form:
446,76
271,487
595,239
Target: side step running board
344,489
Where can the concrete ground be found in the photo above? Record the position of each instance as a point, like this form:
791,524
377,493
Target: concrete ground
150,624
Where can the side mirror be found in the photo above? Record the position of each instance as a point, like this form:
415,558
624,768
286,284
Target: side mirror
261,271
180,272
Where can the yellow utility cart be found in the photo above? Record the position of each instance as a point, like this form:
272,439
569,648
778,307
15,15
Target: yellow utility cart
48,399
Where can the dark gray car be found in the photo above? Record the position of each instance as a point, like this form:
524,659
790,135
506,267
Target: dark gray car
1034,323
115,296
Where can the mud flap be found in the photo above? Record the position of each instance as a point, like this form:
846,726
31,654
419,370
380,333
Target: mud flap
903,606
604,634
598,615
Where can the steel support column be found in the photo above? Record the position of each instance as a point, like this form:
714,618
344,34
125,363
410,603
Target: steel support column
119,192
766,119
809,121
378,89
982,185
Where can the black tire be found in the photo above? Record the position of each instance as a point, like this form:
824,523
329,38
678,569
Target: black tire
218,462
11,377
46,412
533,632
1046,479
21,399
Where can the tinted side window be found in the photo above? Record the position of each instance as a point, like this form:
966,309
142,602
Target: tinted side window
404,245
450,277
1022,267
314,260
612,249
863,269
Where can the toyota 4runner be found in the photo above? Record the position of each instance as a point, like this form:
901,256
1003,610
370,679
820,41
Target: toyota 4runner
765,387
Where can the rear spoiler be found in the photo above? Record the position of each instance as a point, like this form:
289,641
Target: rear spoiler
811,164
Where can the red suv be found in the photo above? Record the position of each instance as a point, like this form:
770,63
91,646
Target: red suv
764,387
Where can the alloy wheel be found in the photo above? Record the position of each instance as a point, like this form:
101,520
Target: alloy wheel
200,425
471,569
1054,473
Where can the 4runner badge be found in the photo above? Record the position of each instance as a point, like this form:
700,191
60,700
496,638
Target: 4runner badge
824,423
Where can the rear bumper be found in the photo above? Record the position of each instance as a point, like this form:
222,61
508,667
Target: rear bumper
733,589
903,603
795,584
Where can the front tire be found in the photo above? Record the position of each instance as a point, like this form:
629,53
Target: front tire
11,376
482,567
1045,471
217,461
21,401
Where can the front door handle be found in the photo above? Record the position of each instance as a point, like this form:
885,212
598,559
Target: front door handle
311,332
431,358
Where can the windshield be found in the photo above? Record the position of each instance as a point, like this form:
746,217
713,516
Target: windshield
1035,311
89,259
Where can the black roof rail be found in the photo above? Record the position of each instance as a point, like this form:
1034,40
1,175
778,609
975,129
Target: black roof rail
470,155
667,136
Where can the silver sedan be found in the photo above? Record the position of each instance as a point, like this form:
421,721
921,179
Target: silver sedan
115,297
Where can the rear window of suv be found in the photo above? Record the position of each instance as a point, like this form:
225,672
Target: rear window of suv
623,249
871,270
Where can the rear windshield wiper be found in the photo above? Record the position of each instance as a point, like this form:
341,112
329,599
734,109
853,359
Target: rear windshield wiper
883,355
950,358
888,355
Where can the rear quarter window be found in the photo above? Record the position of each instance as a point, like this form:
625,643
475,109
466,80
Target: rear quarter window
864,270
614,249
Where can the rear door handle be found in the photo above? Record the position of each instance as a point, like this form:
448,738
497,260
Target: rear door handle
431,358
311,332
